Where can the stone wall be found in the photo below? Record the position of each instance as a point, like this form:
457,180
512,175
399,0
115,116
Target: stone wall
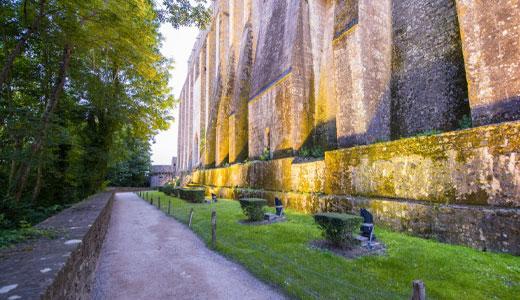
286,74
460,187
477,167
362,57
429,89
272,78
161,174
61,267
491,41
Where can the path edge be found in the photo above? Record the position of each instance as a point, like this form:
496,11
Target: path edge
75,279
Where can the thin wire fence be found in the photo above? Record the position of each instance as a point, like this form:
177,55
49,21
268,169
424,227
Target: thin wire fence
306,288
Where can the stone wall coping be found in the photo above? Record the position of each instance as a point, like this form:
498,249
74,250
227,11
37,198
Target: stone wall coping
38,268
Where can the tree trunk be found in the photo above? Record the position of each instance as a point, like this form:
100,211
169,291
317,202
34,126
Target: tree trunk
38,185
9,61
25,168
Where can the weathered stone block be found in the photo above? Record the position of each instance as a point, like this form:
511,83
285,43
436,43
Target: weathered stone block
280,110
490,33
429,90
476,166
362,64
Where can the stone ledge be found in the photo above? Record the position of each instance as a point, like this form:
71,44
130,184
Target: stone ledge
59,268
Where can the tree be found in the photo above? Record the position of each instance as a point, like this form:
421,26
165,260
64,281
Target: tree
131,165
83,88
185,13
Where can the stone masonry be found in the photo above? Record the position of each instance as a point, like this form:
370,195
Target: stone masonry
272,79
161,174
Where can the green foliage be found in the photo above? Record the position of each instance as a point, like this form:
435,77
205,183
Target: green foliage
253,208
339,228
280,254
317,151
465,122
169,189
305,152
314,152
194,195
186,13
266,155
16,213
25,232
131,165
84,93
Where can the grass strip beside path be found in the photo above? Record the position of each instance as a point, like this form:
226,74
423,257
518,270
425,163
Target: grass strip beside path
280,254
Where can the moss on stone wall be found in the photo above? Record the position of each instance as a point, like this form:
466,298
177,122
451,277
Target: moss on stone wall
478,166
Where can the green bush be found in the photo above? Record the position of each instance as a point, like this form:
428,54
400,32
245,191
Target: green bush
339,228
266,155
317,152
175,192
304,152
191,195
313,152
253,208
167,189
465,122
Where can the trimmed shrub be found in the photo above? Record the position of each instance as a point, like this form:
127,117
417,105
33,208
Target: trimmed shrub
253,208
167,189
191,195
339,228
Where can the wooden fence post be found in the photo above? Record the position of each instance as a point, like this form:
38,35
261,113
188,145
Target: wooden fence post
169,206
213,229
419,290
159,202
191,216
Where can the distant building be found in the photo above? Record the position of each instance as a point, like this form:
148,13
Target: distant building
160,175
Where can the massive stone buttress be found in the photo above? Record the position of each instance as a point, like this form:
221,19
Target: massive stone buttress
275,78
270,77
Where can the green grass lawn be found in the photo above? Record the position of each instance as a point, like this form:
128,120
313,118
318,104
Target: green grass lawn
280,255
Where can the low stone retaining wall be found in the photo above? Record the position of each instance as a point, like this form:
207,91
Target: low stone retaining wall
61,267
460,187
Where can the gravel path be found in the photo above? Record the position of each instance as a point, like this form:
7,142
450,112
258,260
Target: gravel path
148,255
